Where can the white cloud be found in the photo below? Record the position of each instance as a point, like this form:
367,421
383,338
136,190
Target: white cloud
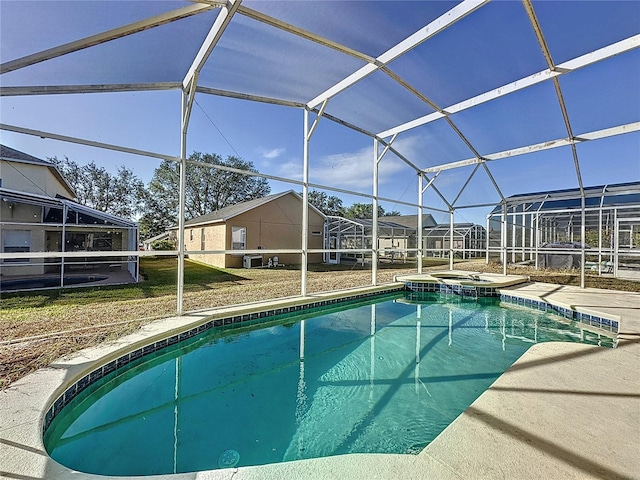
354,170
273,153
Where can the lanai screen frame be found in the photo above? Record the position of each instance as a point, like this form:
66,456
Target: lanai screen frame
382,141
535,220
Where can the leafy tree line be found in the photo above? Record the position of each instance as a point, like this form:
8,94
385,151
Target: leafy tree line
332,205
207,189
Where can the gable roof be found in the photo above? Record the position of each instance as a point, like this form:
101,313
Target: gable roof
410,221
13,155
231,211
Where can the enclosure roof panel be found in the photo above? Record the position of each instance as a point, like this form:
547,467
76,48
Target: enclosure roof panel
467,82
59,202
618,194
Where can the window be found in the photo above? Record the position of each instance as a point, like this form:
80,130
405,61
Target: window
238,238
191,235
203,239
16,241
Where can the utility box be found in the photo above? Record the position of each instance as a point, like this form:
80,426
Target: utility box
252,261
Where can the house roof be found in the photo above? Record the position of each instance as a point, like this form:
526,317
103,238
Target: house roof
231,211
411,221
13,155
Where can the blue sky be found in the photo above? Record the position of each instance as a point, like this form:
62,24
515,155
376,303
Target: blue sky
470,58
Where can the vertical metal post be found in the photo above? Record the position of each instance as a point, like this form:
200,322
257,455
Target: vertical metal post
65,212
503,239
524,233
532,234
514,243
374,224
305,206
419,224
181,209
616,242
600,240
487,238
584,240
451,210
538,235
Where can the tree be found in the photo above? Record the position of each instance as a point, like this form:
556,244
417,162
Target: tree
362,210
122,194
327,204
207,189
392,213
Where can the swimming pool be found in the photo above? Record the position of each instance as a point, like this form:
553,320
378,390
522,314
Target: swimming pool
383,377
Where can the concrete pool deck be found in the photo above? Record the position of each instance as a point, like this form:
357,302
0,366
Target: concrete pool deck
561,411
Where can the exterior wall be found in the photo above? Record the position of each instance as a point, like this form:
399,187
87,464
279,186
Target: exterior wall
26,177
214,239
277,225
20,212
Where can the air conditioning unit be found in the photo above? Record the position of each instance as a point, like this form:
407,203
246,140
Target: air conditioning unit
252,261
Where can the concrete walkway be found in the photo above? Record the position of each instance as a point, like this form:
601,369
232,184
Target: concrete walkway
561,411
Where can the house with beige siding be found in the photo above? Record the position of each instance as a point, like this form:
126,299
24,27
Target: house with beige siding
38,213
268,223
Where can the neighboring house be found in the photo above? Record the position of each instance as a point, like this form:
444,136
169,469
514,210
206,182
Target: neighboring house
272,222
38,214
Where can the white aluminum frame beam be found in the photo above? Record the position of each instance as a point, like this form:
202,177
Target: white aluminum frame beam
215,33
23,91
561,69
562,142
449,18
103,37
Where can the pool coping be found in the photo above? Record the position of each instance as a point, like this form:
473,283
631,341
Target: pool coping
23,408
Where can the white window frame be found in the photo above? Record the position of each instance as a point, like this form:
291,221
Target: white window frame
16,241
238,238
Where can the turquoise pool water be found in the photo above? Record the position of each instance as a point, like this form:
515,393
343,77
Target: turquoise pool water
383,377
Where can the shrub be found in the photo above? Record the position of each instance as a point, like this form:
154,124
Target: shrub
165,244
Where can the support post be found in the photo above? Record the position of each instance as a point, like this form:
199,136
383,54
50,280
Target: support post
65,212
537,242
181,195
451,238
584,240
503,238
487,239
374,223
419,224
616,242
514,243
305,205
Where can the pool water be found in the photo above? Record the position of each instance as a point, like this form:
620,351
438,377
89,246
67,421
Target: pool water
384,377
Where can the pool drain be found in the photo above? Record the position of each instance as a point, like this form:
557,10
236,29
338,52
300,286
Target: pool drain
228,459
